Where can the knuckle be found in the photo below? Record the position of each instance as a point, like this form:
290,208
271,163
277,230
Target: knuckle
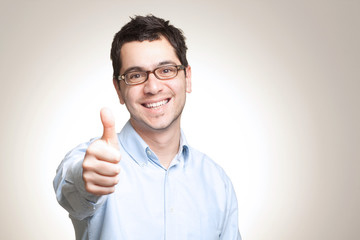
111,190
89,188
109,182
116,180
117,169
118,157
86,164
90,150
86,178
94,147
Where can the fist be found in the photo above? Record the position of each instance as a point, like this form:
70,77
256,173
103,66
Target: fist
100,165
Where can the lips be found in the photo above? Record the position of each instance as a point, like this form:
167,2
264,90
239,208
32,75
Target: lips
156,104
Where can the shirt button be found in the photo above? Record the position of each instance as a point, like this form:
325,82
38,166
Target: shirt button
172,210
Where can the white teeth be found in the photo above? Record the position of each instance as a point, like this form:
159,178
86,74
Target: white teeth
157,104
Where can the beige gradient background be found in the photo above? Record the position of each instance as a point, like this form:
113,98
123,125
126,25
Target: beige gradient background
275,102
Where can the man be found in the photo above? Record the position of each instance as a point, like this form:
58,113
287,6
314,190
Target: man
146,182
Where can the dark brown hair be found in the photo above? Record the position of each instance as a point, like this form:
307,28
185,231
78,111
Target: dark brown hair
149,28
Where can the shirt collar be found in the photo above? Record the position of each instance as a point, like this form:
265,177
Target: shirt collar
137,148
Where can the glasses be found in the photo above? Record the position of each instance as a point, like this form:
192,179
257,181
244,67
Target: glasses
162,73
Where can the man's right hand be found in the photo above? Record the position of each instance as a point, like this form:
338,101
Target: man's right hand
100,165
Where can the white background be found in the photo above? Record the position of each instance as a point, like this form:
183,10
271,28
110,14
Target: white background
275,102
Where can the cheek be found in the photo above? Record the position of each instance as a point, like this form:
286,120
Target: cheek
181,87
130,96
121,96
176,85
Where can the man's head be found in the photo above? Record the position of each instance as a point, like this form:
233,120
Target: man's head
151,73
148,28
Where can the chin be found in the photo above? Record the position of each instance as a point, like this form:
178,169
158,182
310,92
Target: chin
163,124
156,124
160,126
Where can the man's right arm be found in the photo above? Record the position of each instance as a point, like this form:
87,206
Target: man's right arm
89,172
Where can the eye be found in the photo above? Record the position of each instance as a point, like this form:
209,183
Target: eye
134,75
168,70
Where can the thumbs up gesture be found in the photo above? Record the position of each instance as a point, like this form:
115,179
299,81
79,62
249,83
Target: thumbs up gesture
100,165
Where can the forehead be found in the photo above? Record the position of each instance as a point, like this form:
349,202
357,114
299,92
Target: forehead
147,54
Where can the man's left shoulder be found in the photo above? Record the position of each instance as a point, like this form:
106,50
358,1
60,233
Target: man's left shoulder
202,161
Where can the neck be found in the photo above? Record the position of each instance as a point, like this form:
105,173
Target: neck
165,143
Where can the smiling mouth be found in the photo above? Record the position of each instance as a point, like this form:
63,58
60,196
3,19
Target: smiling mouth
156,104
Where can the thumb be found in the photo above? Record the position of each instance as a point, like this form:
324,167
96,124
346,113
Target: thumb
108,122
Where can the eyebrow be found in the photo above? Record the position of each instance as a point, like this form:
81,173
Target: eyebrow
166,63
141,69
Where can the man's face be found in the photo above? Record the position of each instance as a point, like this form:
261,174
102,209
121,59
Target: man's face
155,104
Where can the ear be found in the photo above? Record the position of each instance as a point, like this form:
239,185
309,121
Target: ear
188,79
117,88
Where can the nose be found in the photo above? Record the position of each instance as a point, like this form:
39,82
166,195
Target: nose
152,85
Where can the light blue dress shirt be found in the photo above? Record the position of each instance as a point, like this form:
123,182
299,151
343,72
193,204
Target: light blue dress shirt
192,199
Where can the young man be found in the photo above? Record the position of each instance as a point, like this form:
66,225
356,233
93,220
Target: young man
146,182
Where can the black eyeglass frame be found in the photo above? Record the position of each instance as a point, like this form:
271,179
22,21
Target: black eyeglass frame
178,67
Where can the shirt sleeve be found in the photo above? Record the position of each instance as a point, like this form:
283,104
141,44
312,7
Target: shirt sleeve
230,230
70,188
